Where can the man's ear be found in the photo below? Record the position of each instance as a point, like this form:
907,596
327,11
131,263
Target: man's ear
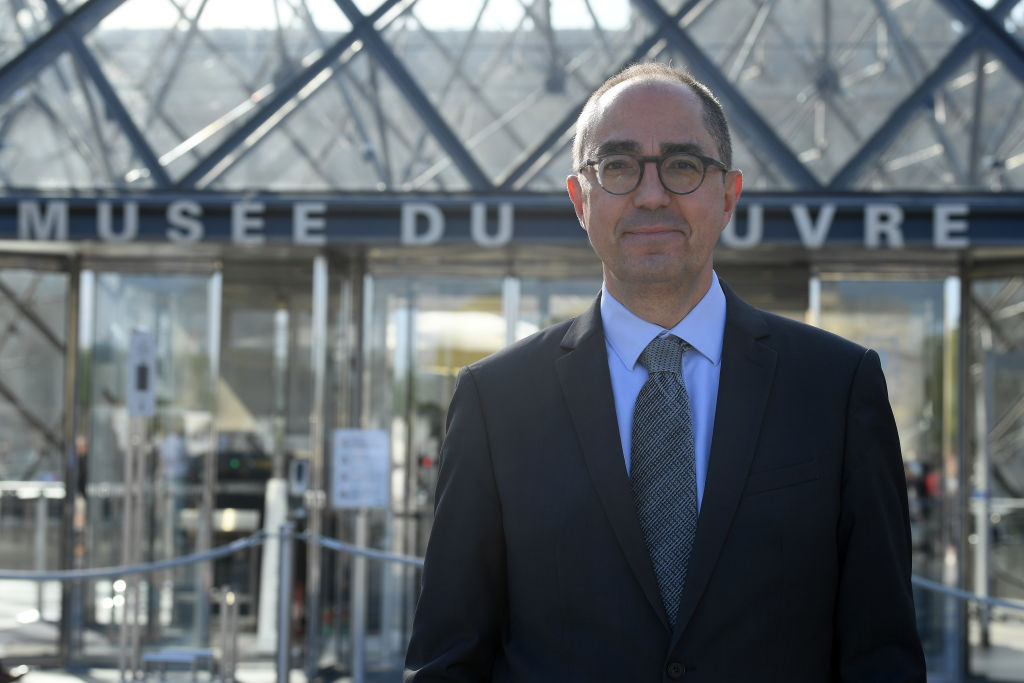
733,189
572,183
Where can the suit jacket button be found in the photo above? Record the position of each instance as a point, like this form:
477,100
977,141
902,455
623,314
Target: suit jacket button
675,670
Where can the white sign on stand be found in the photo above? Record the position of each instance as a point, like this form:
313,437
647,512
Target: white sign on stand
141,374
361,468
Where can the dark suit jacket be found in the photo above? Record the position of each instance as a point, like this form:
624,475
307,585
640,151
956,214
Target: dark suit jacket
537,571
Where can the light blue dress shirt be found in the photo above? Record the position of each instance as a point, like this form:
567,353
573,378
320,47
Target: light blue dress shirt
626,336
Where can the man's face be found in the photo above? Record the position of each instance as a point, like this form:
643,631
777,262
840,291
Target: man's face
652,239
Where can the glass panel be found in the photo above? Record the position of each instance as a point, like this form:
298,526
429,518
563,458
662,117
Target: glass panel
421,332
996,535
263,403
824,76
503,74
32,352
173,448
910,323
546,302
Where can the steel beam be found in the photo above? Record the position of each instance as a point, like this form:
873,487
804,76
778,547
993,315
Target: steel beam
988,22
32,317
747,118
912,66
412,92
211,165
28,63
529,159
115,108
876,145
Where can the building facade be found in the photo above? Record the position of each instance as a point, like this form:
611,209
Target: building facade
313,213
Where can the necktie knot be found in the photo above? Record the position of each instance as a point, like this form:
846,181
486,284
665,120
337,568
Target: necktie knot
664,354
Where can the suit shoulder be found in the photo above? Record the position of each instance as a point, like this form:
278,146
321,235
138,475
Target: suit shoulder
539,348
810,341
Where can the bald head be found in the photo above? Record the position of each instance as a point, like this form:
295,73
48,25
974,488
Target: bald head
714,116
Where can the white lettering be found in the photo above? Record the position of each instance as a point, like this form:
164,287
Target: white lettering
33,225
948,227
478,225
183,224
307,227
411,211
883,219
105,222
755,229
813,234
246,227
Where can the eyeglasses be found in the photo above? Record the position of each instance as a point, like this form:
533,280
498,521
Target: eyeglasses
680,173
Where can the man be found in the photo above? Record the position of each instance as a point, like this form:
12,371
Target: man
616,505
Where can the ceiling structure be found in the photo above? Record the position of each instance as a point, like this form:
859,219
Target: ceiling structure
480,96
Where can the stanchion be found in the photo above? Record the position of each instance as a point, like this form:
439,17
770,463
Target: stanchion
228,634
284,613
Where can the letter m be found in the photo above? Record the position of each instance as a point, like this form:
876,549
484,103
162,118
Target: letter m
37,224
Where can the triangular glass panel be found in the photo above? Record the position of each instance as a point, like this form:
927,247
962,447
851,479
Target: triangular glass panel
504,75
57,133
970,136
823,76
191,73
24,21
1013,22
354,132
916,160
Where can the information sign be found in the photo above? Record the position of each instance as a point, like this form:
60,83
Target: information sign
141,374
361,467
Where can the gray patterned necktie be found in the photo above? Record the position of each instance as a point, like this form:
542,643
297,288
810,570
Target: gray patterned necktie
663,469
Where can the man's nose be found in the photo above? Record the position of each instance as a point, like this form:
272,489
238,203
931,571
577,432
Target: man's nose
650,191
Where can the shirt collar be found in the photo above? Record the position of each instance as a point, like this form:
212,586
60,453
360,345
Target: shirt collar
703,327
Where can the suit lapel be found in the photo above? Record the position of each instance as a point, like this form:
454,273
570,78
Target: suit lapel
586,385
748,369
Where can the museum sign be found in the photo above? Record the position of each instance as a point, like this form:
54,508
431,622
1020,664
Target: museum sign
809,222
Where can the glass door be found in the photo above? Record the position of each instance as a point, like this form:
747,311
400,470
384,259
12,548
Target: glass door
265,401
995,527
911,320
172,450
33,439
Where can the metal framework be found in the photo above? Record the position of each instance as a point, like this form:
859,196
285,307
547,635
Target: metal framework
399,95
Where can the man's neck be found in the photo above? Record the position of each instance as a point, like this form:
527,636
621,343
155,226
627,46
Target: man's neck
662,304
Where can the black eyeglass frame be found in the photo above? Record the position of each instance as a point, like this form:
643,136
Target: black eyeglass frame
706,162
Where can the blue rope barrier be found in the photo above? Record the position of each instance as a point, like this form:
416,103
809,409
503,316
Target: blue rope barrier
964,595
125,570
341,547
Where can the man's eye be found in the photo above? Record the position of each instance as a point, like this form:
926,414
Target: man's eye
617,165
681,165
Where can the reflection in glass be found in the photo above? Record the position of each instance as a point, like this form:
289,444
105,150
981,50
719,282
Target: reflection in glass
32,490
908,322
171,447
995,528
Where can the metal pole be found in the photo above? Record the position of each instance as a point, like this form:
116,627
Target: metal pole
40,547
232,659
72,467
315,493
284,604
135,581
126,549
359,601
